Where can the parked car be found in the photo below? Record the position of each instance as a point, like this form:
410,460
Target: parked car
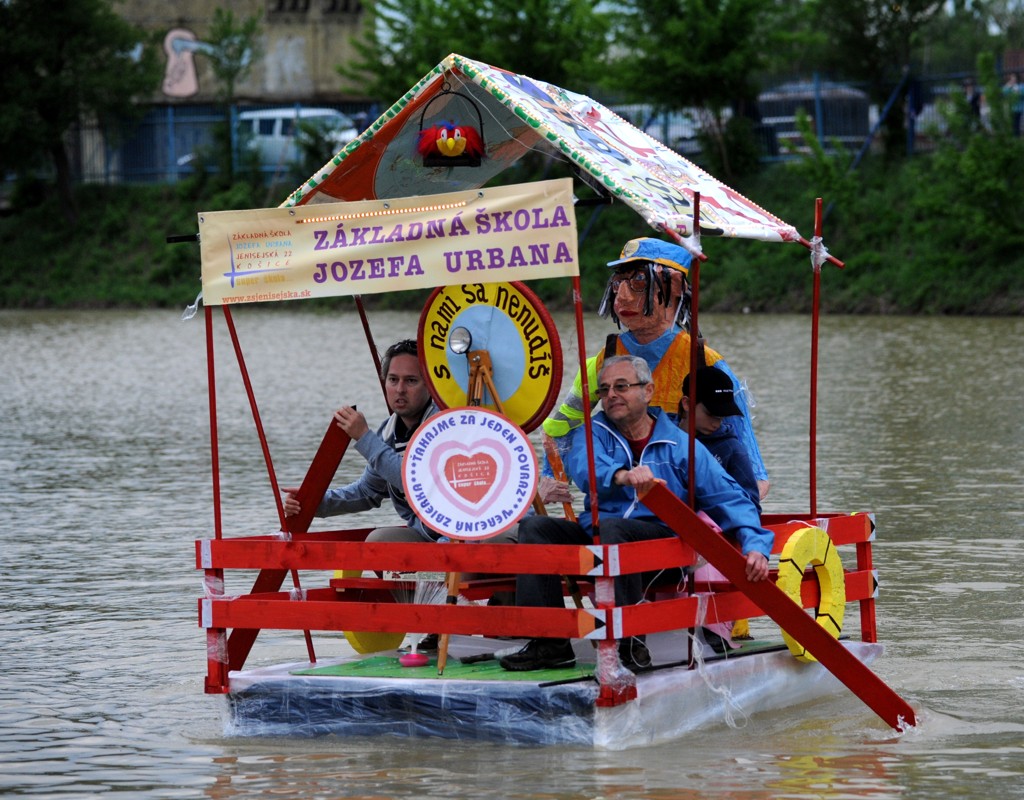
277,133
677,129
844,111
276,136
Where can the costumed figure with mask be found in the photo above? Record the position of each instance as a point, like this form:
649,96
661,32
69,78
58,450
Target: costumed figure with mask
647,294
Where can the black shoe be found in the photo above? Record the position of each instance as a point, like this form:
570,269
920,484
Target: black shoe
715,642
634,655
428,644
540,654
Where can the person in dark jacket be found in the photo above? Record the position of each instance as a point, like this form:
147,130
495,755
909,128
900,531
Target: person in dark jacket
715,400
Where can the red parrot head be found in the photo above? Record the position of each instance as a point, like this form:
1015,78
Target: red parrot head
450,140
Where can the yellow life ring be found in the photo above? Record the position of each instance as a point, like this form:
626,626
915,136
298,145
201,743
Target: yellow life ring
364,642
812,546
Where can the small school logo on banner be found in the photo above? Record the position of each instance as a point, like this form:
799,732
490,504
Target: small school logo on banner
469,473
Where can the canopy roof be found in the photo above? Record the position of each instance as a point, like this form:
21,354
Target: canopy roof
516,114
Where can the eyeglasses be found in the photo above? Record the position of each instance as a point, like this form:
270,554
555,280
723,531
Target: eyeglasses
619,388
637,282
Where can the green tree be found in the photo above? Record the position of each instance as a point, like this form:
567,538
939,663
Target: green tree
1007,16
950,41
235,47
64,64
874,41
702,53
559,41
968,191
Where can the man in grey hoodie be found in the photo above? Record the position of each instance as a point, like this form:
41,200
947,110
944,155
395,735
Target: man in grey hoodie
409,399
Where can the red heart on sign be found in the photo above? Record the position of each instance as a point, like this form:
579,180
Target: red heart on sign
472,476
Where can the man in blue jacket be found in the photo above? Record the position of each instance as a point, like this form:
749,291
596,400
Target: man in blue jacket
633,445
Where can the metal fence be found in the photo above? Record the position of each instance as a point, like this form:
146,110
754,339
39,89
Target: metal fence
171,142
841,115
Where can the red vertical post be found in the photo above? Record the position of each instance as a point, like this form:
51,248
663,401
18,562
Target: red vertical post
691,395
865,562
815,314
691,424
577,302
266,452
611,693
216,638
211,379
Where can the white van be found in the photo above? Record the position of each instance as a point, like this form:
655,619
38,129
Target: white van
272,131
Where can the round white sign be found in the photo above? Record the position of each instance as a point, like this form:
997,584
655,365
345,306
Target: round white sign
469,473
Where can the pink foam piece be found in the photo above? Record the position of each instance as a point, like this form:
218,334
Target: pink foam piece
413,660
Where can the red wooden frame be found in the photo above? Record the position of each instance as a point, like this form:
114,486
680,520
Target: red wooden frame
233,622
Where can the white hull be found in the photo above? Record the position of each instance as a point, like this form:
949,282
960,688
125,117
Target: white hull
671,702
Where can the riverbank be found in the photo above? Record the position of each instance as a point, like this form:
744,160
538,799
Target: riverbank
909,248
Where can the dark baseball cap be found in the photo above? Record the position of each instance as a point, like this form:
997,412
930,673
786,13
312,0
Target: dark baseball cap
715,391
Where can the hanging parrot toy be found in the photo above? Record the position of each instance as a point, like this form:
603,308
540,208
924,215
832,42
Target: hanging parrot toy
450,141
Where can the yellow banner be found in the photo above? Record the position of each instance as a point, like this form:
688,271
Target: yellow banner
507,233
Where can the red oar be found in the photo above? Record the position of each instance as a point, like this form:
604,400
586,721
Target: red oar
781,608
558,469
314,486
319,476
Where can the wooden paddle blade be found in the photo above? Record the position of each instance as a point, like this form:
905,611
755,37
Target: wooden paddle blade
558,470
781,608
311,492
319,476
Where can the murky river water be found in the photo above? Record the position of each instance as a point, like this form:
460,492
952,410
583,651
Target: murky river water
104,459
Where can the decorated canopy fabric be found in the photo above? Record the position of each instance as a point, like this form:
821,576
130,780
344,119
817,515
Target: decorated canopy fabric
514,114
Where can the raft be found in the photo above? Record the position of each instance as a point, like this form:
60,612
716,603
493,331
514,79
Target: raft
374,696
378,218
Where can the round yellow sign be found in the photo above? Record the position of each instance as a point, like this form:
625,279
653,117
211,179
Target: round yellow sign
511,328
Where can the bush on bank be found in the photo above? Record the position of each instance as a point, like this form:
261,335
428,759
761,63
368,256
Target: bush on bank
936,234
